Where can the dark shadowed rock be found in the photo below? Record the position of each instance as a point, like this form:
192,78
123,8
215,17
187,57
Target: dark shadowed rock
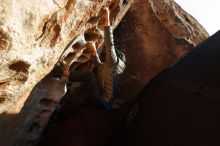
181,105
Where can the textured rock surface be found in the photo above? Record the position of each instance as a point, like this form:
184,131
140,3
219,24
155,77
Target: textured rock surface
180,23
158,40
153,35
151,42
33,37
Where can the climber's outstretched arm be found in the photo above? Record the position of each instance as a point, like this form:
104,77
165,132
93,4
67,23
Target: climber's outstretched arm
111,57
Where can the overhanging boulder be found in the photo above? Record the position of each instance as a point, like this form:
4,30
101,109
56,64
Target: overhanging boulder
34,36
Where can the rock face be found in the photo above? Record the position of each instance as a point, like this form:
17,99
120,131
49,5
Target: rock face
151,41
164,10
160,33
180,106
34,35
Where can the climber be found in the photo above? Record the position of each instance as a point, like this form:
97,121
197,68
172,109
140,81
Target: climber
105,71
114,63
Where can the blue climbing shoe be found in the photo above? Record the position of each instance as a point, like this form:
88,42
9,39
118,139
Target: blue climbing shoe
107,105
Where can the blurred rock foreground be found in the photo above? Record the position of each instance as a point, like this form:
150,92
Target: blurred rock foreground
153,35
